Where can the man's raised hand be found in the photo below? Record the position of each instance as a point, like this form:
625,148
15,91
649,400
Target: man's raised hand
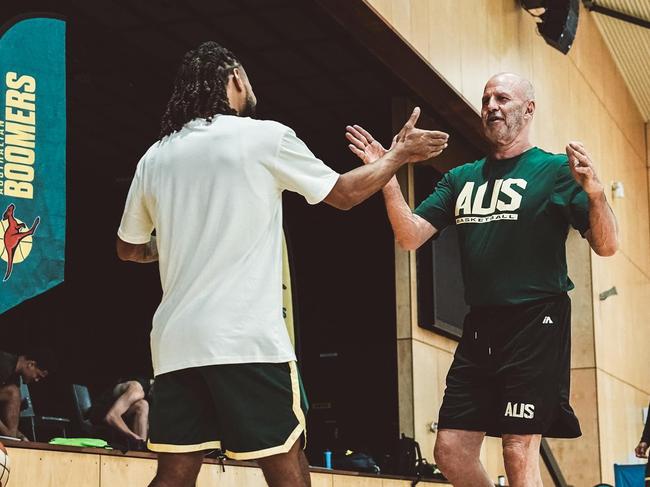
363,144
412,144
582,168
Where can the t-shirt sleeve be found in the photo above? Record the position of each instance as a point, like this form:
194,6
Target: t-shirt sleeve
570,198
438,207
298,170
136,225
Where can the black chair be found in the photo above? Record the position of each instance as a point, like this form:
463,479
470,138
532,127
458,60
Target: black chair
28,415
82,404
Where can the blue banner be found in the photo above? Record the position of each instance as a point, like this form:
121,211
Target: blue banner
629,475
32,158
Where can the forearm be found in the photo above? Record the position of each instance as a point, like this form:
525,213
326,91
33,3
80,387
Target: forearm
359,184
149,252
410,230
645,437
140,253
603,226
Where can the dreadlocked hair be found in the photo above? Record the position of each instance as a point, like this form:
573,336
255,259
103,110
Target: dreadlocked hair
200,87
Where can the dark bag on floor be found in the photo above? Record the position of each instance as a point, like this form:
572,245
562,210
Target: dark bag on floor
410,462
356,462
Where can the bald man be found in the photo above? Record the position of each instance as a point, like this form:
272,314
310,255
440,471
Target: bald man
513,210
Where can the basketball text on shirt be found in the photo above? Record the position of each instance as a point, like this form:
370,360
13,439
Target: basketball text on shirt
505,201
18,137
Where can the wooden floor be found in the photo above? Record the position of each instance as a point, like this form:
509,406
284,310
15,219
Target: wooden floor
41,465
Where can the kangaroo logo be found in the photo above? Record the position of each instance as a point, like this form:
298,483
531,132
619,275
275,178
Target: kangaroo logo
16,242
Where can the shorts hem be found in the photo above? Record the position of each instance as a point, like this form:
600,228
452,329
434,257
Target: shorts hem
559,436
458,426
169,448
210,361
499,432
300,429
267,452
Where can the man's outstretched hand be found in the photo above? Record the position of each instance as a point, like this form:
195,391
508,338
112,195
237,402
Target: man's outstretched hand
413,144
583,169
363,145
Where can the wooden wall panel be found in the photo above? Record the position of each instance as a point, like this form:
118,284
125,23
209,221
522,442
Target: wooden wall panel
212,475
474,62
419,18
321,480
580,459
121,471
647,139
349,481
551,81
492,458
443,39
138,472
395,483
619,162
596,65
31,468
546,477
588,46
37,468
623,331
584,112
583,352
405,386
620,406
430,366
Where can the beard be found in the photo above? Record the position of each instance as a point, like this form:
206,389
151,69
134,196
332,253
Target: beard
250,107
505,131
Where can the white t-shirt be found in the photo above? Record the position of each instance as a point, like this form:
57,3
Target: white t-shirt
213,193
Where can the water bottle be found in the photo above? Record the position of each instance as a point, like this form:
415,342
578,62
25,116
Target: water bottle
328,459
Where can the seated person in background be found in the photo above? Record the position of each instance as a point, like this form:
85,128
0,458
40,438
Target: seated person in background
32,367
126,401
641,449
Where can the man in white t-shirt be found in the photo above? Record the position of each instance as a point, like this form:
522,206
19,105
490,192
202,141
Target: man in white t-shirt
211,187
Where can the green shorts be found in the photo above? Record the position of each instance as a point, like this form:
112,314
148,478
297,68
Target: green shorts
248,410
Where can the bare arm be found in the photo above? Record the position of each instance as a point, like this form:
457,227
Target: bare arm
410,145
140,253
357,185
642,448
410,230
603,228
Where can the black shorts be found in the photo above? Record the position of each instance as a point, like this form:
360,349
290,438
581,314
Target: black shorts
248,410
511,372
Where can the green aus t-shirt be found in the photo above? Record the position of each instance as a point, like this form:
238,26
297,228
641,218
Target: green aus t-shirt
512,217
